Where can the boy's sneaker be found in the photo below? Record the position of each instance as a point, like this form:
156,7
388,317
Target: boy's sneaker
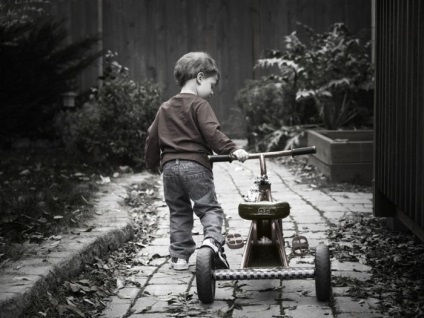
220,258
179,264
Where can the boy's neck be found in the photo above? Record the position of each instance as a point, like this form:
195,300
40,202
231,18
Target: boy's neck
189,87
188,91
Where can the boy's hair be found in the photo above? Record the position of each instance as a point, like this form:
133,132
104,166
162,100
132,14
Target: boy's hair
191,64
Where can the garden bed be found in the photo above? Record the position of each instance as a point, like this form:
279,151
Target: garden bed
343,156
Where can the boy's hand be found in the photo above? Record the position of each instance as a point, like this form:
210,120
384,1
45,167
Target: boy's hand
241,155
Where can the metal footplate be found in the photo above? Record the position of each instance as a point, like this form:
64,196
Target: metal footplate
264,273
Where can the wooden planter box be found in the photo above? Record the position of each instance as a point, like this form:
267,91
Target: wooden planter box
343,156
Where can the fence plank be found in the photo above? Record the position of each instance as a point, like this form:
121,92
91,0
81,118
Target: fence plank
399,137
150,36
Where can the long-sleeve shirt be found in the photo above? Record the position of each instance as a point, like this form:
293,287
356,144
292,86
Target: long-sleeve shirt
185,128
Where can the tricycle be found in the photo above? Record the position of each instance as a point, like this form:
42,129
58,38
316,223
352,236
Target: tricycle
264,255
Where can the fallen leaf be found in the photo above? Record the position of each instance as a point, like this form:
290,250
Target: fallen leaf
120,283
25,172
104,180
72,308
90,302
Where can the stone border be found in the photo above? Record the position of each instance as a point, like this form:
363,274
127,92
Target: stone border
110,227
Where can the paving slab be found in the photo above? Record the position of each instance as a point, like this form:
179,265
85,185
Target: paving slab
270,298
313,212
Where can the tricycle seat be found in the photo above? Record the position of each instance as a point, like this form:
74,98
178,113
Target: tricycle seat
263,210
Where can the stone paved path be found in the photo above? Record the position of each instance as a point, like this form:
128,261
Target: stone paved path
162,292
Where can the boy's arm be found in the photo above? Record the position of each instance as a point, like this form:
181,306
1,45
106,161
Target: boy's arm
152,148
211,131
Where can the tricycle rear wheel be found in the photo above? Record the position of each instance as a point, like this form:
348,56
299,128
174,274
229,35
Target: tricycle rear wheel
204,279
322,272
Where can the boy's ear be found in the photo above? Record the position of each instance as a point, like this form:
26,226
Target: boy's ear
200,77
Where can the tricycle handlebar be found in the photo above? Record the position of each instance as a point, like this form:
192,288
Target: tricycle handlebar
273,154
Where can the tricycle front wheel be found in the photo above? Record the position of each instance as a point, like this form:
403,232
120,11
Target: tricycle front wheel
322,272
204,279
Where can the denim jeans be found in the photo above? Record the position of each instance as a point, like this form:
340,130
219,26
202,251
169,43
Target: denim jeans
188,188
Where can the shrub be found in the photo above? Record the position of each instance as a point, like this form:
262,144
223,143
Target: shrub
37,67
23,11
329,71
234,125
113,126
270,107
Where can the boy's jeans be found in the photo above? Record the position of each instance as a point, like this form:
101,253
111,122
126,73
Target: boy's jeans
183,181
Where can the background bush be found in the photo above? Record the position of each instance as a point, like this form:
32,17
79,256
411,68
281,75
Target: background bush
326,80
112,127
271,112
331,71
36,68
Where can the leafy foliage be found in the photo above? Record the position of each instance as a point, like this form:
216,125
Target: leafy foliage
113,126
329,71
36,67
23,11
270,109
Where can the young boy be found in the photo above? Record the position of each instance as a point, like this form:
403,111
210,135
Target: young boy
183,134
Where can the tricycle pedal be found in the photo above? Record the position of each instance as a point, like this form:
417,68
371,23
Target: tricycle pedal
300,246
234,241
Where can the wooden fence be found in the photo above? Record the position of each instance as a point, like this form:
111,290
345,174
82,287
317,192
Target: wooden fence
399,112
150,35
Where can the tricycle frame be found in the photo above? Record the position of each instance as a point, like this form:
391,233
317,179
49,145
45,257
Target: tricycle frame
265,234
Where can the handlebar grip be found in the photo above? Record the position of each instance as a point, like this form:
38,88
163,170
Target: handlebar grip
221,158
304,151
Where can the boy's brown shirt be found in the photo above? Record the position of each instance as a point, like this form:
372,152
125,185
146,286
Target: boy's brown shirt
185,127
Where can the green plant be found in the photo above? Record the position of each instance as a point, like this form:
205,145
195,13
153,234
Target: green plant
37,67
270,108
113,126
329,71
